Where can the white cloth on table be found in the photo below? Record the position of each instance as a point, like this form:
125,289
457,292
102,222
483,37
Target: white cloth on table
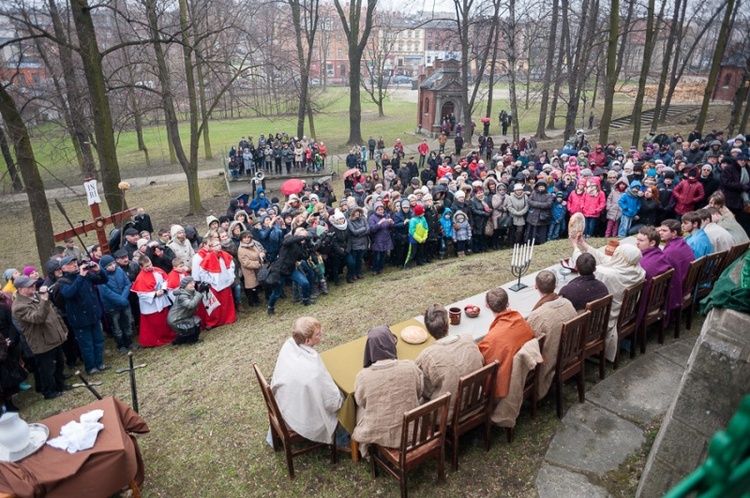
78,436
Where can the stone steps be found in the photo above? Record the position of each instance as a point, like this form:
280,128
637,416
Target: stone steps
647,117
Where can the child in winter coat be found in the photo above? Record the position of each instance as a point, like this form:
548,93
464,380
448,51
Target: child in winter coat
558,217
576,198
418,231
630,203
614,211
461,232
594,202
446,221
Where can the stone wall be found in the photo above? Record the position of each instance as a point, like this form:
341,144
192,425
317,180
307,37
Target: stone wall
715,380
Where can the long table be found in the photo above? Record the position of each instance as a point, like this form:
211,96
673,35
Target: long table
345,361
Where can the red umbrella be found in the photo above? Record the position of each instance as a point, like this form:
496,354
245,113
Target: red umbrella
293,186
350,172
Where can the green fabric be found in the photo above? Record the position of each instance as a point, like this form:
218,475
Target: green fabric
732,289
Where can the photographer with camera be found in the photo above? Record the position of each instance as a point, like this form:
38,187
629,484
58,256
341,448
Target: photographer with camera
83,310
294,248
181,317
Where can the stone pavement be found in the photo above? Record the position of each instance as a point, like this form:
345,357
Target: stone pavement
595,437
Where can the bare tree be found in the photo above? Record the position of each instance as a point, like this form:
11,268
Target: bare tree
652,26
19,136
357,31
377,78
10,163
548,71
611,72
721,44
305,18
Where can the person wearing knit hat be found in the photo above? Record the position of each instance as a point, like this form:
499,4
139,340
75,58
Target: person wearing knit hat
33,274
114,295
181,246
10,275
418,231
181,317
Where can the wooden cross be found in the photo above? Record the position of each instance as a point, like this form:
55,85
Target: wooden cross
99,222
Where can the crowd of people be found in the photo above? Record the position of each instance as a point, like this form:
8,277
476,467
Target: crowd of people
278,153
169,284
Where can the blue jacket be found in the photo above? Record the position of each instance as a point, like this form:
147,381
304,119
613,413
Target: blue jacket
270,238
115,292
558,211
629,203
259,202
447,223
699,243
81,301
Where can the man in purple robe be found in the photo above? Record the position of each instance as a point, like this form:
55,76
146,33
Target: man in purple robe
654,262
679,254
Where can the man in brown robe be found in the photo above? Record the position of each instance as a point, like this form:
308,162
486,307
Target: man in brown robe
508,333
546,320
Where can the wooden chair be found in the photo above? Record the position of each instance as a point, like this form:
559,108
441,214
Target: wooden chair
688,292
656,306
570,357
281,434
732,254
708,275
473,406
422,439
531,388
627,320
600,311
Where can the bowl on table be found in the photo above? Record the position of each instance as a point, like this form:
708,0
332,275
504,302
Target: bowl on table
472,311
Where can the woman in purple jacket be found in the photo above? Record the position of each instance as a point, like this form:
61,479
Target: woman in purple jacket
380,237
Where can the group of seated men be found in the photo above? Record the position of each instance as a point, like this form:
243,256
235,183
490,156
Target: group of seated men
387,387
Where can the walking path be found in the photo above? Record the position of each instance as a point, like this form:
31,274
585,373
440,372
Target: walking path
596,436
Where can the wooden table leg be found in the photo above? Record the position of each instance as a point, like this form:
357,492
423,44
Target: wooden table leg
355,450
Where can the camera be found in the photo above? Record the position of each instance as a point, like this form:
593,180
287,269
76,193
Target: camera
90,265
202,286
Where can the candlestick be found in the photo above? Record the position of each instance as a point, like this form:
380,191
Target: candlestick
515,254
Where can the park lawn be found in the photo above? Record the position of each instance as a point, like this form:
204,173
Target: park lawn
58,165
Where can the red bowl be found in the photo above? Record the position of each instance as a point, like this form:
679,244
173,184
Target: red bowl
469,310
565,263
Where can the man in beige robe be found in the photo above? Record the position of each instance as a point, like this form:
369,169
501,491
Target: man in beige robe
546,320
448,359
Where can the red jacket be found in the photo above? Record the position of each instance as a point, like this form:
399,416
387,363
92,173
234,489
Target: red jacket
687,194
423,149
594,205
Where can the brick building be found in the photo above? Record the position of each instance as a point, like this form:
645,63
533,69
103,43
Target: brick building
440,94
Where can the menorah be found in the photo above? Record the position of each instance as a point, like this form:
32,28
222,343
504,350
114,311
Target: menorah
520,262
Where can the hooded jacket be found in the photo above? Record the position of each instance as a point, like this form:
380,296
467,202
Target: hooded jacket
688,193
593,205
260,201
629,203
358,230
461,226
380,233
614,211
517,206
576,200
446,221
115,292
540,206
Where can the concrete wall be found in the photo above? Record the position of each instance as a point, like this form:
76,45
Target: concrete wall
715,380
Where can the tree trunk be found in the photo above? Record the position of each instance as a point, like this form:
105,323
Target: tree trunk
575,73
745,116
356,39
301,60
38,205
492,74
15,180
662,116
721,44
512,68
611,71
740,97
648,50
75,101
310,120
561,56
103,128
540,129
170,113
666,60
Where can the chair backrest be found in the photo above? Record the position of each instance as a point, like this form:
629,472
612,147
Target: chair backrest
631,303
274,414
572,340
424,425
710,270
600,311
691,279
659,291
475,392
735,252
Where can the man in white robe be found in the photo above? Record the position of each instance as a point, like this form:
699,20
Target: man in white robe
618,273
308,398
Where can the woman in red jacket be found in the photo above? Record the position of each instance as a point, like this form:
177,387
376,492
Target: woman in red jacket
687,193
594,202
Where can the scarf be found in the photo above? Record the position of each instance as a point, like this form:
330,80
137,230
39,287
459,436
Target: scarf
210,261
381,345
545,299
146,280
